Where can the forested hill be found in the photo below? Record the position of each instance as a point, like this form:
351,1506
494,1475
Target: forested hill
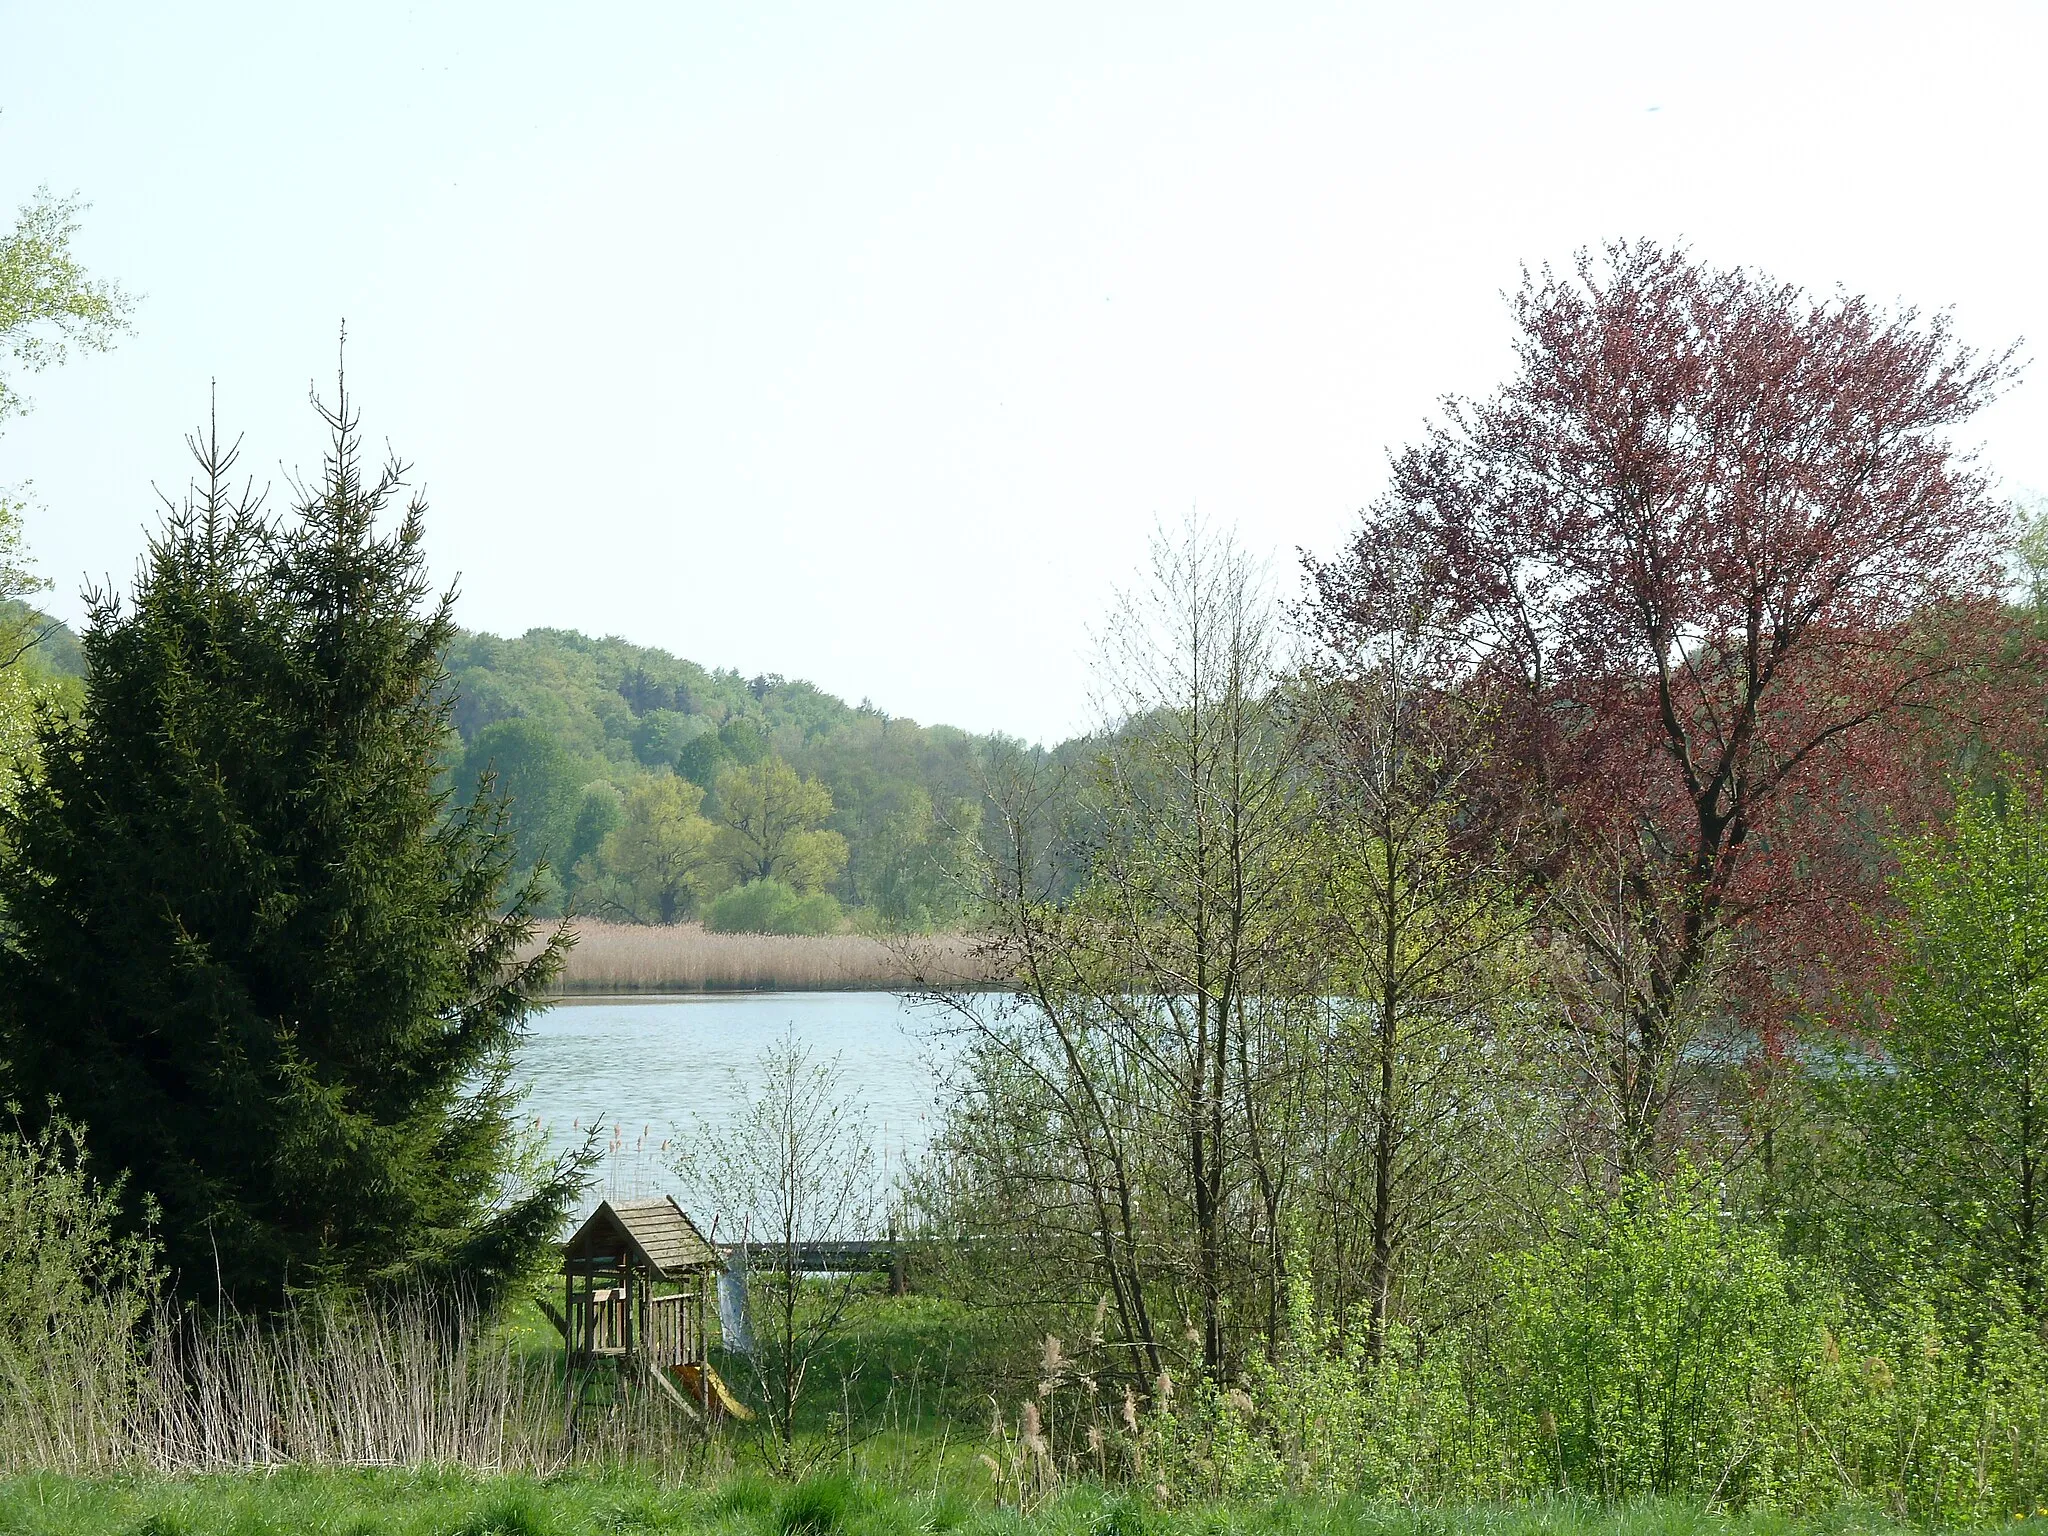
620,760
52,649
587,734
634,703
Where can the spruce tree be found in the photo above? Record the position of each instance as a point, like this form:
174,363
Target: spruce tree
249,942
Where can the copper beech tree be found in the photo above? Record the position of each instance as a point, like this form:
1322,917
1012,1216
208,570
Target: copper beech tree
1708,557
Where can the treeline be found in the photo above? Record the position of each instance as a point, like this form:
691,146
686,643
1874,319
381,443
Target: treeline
1566,1006
655,790
646,789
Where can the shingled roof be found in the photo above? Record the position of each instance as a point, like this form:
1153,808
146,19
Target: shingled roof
655,1234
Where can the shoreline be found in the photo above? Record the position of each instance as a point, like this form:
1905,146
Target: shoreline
626,960
593,992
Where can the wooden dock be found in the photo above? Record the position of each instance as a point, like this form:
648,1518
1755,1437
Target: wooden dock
876,1255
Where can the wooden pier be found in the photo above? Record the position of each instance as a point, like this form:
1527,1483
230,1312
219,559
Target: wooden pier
874,1255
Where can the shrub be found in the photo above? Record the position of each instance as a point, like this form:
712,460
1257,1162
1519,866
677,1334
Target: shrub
816,913
769,906
1319,1418
1938,1409
62,1255
1654,1348
75,1293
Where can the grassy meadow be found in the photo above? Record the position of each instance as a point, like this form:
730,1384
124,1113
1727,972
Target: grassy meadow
897,1447
372,1502
357,1424
686,957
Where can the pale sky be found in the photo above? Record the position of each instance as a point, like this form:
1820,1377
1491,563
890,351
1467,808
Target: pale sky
866,343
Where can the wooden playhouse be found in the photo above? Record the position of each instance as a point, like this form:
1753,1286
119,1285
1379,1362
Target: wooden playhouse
637,1285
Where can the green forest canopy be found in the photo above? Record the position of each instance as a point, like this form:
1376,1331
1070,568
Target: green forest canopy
570,723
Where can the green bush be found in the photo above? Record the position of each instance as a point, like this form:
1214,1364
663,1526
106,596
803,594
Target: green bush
75,1298
1320,1419
1653,1347
1937,1411
1663,1348
769,906
62,1255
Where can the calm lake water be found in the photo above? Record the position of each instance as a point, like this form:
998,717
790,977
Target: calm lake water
642,1067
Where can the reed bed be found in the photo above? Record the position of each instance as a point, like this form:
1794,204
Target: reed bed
410,1383
622,957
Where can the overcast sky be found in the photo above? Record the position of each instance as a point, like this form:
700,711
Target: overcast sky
866,343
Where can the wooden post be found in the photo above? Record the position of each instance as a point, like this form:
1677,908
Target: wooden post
569,1349
626,1307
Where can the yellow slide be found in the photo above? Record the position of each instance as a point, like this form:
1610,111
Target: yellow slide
710,1390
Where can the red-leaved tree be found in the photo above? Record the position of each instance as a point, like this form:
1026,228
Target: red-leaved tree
1708,557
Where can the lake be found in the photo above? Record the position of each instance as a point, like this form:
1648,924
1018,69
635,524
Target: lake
641,1067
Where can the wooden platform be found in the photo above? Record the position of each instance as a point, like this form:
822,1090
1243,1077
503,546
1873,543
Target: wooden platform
880,1256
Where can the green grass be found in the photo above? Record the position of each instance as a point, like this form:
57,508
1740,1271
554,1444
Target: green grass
438,1504
896,1427
901,1396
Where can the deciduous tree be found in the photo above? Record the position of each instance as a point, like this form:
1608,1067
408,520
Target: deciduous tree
1423,939
48,306
793,1164
527,766
656,857
1704,556
1118,1099
920,859
48,303
774,826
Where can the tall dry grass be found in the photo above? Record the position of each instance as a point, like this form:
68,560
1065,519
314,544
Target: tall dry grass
410,1383
622,957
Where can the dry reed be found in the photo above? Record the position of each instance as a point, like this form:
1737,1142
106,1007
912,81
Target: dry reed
620,957
411,1383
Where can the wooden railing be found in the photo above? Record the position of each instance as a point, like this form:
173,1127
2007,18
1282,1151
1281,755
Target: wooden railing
608,1322
668,1330
672,1330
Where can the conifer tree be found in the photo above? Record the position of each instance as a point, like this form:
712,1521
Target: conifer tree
248,943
